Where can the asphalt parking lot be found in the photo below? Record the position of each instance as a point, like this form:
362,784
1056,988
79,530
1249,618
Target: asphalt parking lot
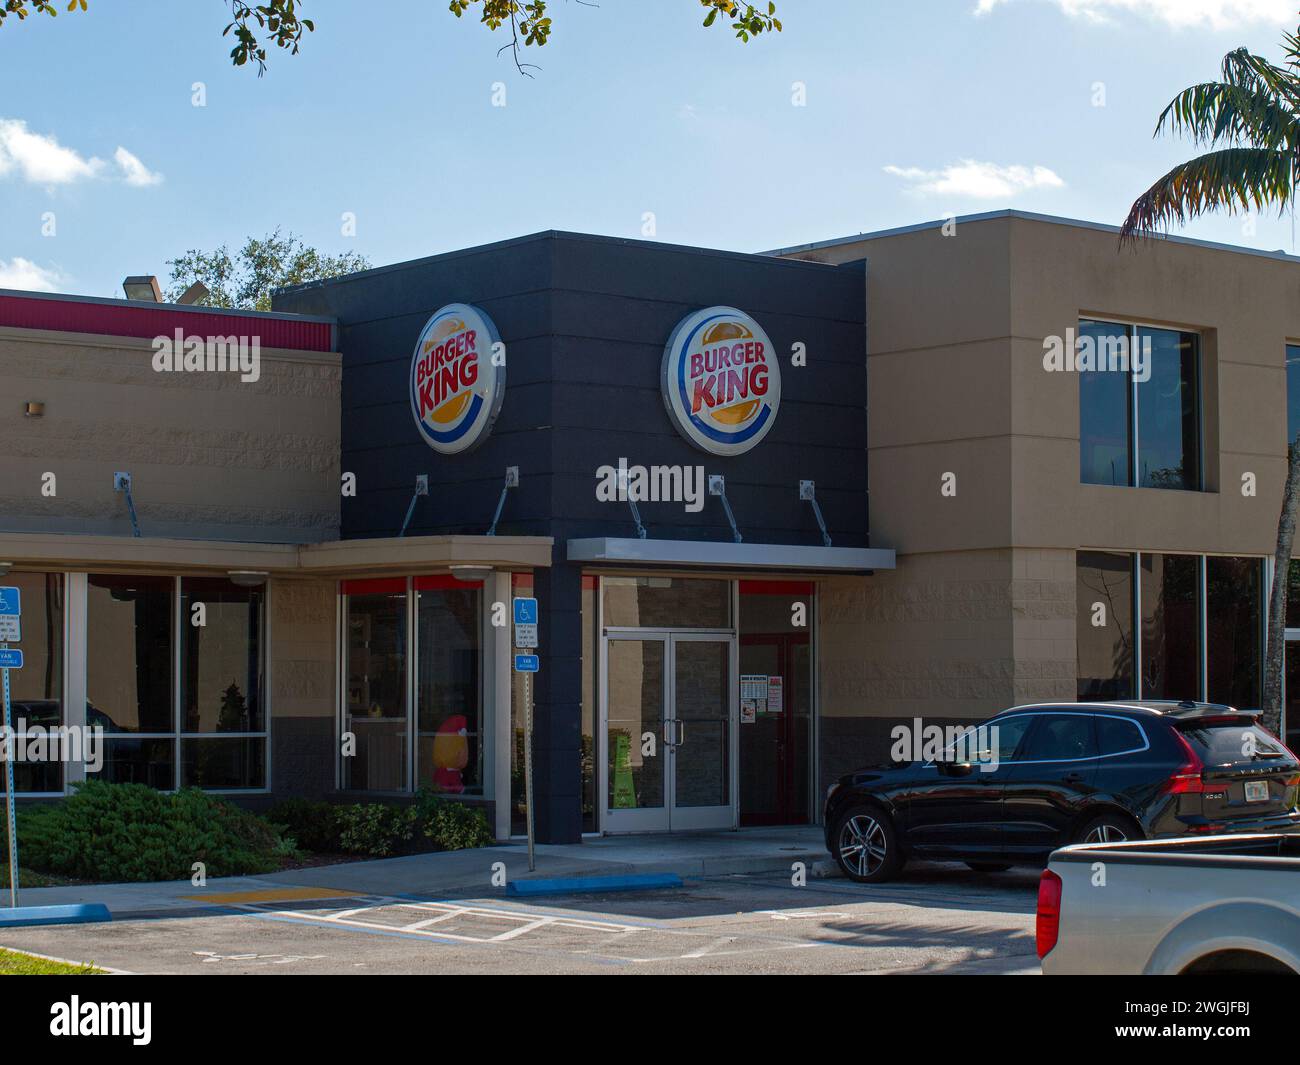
936,919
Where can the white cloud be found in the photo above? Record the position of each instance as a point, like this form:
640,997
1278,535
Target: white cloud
976,180
135,172
24,274
1215,14
40,158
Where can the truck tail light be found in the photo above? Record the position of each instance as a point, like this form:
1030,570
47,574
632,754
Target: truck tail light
1186,779
1049,912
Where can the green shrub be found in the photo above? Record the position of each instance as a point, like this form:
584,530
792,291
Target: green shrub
375,829
130,832
455,827
313,826
378,830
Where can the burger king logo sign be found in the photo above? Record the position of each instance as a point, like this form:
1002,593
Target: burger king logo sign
456,386
721,381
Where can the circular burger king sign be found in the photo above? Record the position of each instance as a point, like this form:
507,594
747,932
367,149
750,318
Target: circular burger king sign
456,389
721,381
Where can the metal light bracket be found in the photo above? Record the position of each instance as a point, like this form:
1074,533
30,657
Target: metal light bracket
421,489
512,481
808,492
718,487
122,483
636,513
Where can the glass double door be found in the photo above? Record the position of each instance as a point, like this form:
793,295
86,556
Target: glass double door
670,711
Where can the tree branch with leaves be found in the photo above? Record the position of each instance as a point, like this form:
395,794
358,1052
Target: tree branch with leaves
260,29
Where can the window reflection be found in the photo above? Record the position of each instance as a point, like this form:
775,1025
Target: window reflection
450,685
376,692
36,690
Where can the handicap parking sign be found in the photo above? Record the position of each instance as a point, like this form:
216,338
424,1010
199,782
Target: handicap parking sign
526,623
527,664
11,658
11,608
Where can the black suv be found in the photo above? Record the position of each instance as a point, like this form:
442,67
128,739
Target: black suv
1054,774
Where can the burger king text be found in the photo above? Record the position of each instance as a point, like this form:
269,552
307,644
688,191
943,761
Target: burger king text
447,369
722,375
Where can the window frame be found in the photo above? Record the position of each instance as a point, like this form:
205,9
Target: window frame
69,771
1132,326
80,647
486,727
1264,565
264,664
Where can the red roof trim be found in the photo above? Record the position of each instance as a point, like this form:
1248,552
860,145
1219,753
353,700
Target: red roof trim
122,319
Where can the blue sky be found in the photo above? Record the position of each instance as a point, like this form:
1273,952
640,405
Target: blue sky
915,110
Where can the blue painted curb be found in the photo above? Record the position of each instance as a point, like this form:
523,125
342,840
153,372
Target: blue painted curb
81,913
575,885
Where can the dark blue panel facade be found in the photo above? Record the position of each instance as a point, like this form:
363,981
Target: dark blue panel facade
585,320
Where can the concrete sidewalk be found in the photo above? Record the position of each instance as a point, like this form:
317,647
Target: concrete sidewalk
456,874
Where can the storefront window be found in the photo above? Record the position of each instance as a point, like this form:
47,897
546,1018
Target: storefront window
1104,605
36,690
1168,418
1105,396
449,685
666,602
221,685
1234,645
376,706
1171,626
1140,427
129,668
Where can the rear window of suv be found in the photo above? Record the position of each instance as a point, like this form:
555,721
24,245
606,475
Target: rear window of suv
1220,744
1116,735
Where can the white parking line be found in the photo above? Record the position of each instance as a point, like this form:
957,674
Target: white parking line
441,912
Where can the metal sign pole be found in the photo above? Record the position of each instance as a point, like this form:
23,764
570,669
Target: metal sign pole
9,796
528,760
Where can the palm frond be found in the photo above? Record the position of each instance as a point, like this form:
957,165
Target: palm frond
1218,112
1257,75
1231,178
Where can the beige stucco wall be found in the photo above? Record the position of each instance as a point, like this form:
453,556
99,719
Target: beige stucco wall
304,684
956,384
980,613
211,457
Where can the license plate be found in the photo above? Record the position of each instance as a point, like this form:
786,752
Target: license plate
1257,791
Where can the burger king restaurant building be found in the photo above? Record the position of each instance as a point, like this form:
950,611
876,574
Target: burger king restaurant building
667,448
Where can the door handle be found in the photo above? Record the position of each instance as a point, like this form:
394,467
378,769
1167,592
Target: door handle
1072,778
668,733
681,732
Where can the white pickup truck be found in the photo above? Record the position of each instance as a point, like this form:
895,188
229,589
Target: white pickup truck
1214,904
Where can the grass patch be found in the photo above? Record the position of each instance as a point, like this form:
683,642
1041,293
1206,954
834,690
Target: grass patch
15,963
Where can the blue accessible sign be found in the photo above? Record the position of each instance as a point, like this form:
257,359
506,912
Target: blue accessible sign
11,608
527,663
526,623
11,658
